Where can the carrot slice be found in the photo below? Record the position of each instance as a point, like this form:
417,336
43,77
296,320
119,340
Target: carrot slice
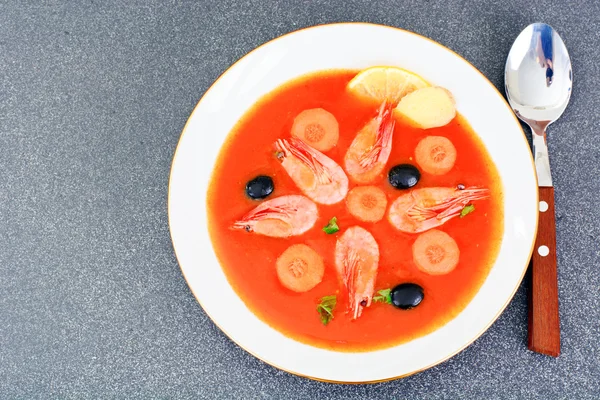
367,203
300,268
435,252
317,128
435,155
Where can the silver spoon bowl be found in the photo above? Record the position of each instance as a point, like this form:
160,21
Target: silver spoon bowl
538,83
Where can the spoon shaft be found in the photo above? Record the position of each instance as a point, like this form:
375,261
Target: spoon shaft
544,325
540,153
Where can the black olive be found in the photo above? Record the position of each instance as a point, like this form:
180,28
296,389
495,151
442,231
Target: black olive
407,295
404,176
259,187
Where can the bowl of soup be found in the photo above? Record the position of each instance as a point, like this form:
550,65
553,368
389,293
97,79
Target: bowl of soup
353,203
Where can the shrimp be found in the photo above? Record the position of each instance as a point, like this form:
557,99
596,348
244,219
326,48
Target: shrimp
423,209
369,152
356,262
317,175
282,216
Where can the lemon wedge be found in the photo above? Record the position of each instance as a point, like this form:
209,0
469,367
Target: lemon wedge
385,83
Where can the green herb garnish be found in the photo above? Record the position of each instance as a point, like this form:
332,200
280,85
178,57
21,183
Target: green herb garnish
326,307
383,296
332,226
467,210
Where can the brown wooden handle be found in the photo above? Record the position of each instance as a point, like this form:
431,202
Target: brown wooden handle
544,325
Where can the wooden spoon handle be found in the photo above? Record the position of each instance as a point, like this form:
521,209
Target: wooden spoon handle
544,325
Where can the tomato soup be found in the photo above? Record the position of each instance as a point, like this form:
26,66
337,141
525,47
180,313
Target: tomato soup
249,259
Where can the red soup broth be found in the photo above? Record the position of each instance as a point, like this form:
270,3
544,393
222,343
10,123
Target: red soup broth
248,259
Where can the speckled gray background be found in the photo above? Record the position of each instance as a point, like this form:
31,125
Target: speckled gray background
93,97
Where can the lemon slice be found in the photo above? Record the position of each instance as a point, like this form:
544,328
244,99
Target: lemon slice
385,83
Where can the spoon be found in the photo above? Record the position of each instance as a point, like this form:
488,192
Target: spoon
538,85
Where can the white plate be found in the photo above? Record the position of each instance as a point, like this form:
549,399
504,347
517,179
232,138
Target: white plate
349,46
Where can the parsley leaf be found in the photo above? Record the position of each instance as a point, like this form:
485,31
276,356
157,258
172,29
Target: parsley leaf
384,296
467,210
326,307
332,226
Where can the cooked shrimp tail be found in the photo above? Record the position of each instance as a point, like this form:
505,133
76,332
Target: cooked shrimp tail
427,208
385,129
357,261
317,175
449,207
370,150
357,301
283,216
282,213
301,151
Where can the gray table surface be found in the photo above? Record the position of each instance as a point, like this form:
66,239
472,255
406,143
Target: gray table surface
93,97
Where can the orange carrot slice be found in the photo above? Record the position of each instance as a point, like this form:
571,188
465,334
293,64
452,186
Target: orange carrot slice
435,252
300,268
367,203
435,155
317,128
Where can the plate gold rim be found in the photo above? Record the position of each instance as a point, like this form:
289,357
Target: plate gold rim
452,354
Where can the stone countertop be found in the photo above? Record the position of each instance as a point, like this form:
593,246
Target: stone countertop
93,98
